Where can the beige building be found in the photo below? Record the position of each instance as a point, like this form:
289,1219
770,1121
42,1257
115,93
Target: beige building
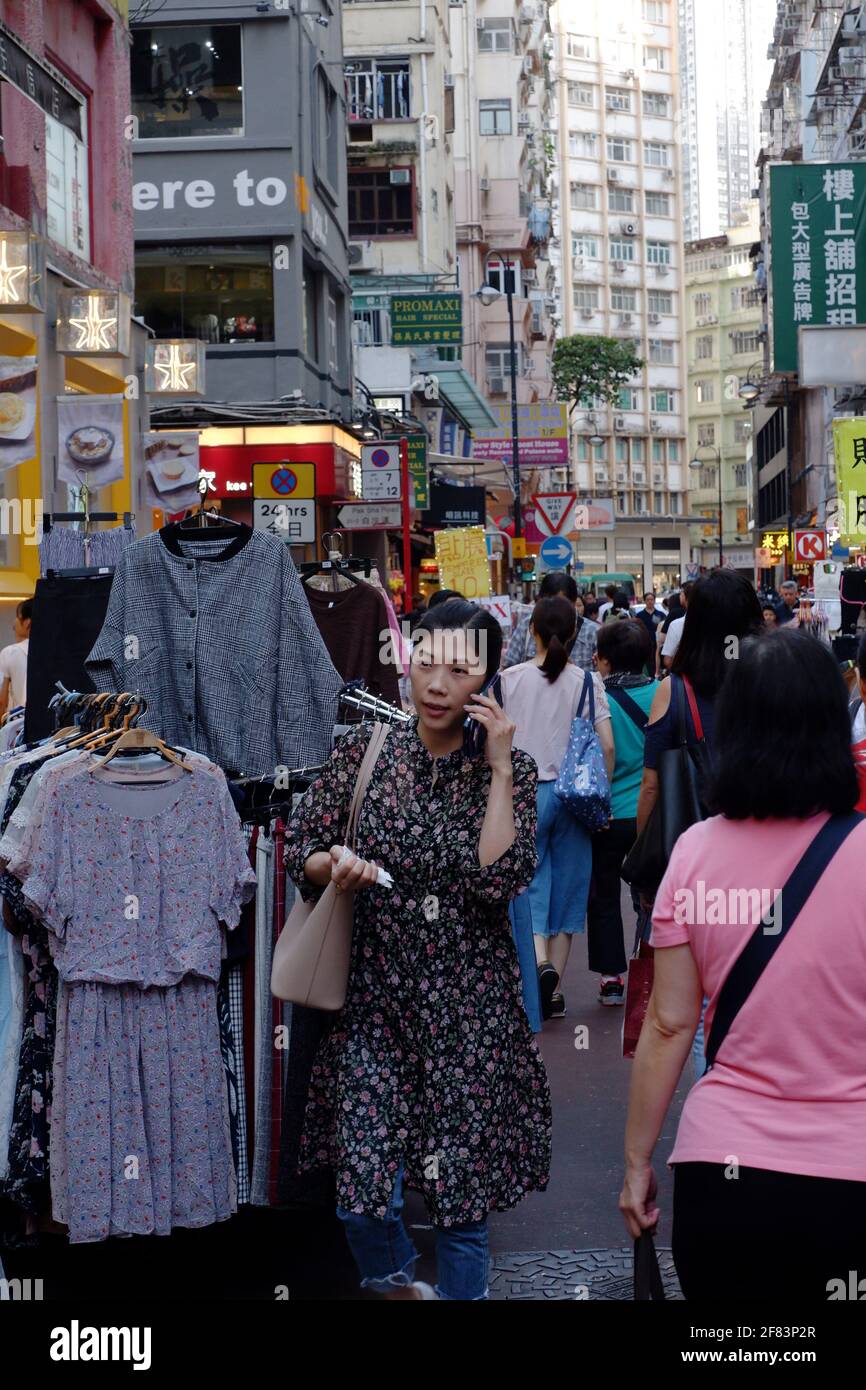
618,256
724,314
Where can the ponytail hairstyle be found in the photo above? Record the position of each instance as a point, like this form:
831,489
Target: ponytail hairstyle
554,621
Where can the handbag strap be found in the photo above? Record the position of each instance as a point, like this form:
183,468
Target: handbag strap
762,945
588,685
365,772
693,706
629,706
681,690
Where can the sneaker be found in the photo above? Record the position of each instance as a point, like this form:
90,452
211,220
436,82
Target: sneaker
557,1006
548,979
612,991
424,1290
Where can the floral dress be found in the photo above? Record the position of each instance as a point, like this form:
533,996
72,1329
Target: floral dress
431,1060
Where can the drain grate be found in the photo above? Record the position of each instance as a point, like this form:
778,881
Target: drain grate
575,1274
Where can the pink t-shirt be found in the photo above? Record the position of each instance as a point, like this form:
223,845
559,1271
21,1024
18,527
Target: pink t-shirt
788,1089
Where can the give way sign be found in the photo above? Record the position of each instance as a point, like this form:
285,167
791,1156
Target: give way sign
554,512
810,545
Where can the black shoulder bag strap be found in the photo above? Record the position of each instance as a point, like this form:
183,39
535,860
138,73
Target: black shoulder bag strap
629,706
762,944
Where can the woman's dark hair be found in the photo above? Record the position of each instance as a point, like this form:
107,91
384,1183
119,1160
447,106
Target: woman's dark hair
558,582
723,605
627,646
555,622
590,608
621,600
25,610
441,596
782,740
458,613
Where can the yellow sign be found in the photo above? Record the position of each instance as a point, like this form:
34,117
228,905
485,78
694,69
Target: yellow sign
461,555
518,548
849,445
284,482
776,542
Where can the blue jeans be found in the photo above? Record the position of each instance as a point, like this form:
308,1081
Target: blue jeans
556,898
521,931
386,1256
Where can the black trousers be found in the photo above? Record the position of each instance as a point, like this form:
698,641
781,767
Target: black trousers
765,1236
604,915
67,619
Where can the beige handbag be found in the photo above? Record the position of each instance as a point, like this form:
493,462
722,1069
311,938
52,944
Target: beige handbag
311,957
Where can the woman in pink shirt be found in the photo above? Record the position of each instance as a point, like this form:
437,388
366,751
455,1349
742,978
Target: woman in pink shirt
770,1156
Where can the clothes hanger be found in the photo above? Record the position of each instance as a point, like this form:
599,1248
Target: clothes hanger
205,523
144,738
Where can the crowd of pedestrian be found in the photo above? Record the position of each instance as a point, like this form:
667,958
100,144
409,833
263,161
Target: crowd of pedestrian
715,714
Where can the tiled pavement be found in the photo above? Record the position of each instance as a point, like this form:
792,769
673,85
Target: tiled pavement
574,1274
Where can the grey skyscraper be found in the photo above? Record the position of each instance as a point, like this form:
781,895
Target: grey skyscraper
723,77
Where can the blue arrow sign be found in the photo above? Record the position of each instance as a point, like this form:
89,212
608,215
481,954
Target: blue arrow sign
556,553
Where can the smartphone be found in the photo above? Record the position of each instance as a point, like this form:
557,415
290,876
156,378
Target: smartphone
474,733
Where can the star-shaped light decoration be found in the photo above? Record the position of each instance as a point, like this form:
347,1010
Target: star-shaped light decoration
93,329
175,374
174,366
10,275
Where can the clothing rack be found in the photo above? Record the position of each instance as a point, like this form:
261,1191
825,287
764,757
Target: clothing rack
356,696
261,801
50,518
336,562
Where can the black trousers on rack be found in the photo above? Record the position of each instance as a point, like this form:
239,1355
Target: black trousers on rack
67,619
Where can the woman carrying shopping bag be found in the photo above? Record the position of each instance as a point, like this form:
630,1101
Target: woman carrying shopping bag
542,697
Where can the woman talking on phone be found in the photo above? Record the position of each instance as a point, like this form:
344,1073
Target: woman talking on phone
430,1077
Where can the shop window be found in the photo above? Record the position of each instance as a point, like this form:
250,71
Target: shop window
67,186
378,91
187,81
379,205
222,293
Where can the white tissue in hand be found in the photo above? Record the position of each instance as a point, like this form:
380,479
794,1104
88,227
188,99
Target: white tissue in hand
383,878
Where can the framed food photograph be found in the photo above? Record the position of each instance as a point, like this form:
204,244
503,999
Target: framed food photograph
17,411
171,469
90,447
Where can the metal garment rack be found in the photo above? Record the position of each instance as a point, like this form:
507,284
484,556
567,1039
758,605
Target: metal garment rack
357,697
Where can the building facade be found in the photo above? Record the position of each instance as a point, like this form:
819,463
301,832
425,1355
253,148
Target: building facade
65,224
724,320
618,253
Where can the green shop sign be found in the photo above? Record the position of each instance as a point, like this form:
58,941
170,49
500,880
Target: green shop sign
417,452
426,318
818,250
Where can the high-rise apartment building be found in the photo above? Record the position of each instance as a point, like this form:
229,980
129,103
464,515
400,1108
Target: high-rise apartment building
723,75
619,259
724,313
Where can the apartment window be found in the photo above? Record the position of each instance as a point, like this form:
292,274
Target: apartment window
222,292
741,474
706,435
742,297
623,301
377,91
638,501
742,431
503,273
656,104
620,199
579,45
620,448
68,186
637,451
661,351
494,36
617,98
497,360
583,195
627,398
582,144
585,297
655,59
660,302
656,155
662,402
703,304
673,451
654,11
370,327
704,348
658,253
585,246
705,391
622,249
676,504
619,151
621,502
745,342
328,131
583,450
187,80
658,503
378,207
494,117
581,94
658,204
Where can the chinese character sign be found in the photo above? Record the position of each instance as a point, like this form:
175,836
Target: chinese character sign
461,555
426,318
542,431
849,445
818,257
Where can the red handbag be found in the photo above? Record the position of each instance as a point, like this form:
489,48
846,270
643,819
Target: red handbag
639,986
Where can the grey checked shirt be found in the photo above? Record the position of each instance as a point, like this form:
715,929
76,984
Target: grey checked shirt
522,644
219,639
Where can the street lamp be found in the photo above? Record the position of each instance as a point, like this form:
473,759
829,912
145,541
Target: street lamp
751,389
698,463
487,295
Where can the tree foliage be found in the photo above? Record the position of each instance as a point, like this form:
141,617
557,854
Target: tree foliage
592,368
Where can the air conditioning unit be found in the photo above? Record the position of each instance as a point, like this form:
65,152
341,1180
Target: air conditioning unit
613,175
577,263
618,267
484,185
619,422
658,477
621,475
523,123
449,80
479,24
527,65
400,176
361,255
530,277
629,228
668,173
602,475
624,319
629,74
656,426
654,318
663,270
496,385
587,313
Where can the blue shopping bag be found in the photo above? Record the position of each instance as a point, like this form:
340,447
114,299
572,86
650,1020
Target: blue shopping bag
582,785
